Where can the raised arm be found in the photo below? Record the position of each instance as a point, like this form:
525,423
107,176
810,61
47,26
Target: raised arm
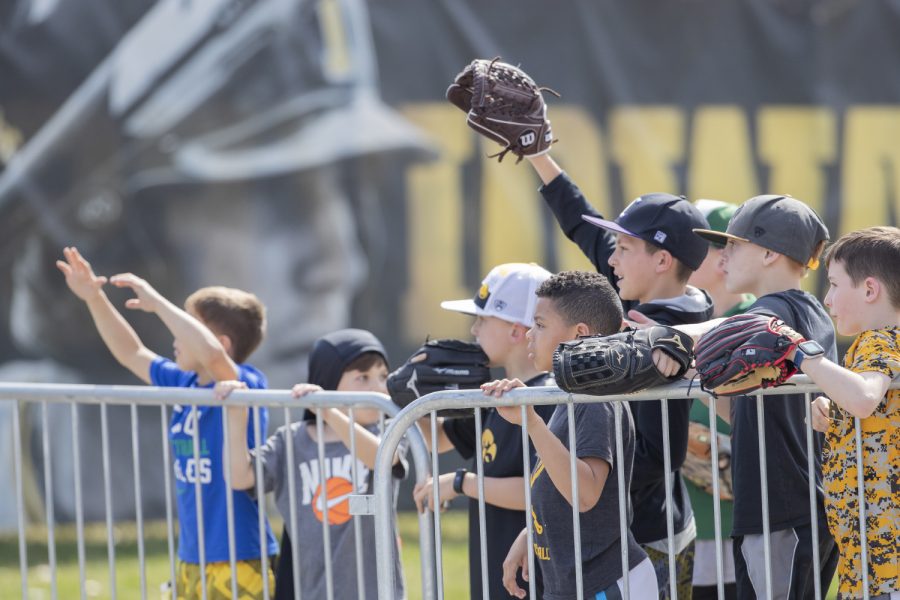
242,475
193,336
118,335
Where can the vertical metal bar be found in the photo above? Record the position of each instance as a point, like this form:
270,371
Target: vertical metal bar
529,526
170,533
229,499
861,490
79,500
667,477
138,508
48,499
20,499
435,494
322,503
622,499
357,526
482,526
717,501
813,499
292,498
576,504
198,497
107,493
764,492
261,504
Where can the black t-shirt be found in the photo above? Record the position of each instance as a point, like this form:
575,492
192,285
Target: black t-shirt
648,489
785,429
502,454
595,436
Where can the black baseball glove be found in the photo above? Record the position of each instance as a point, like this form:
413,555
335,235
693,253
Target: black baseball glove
504,104
745,353
621,363
439,365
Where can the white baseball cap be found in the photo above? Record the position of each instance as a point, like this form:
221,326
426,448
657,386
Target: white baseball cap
507,292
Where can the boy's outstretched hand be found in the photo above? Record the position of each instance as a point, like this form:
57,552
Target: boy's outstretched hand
821,413
497,388
79,276
516,559
148,299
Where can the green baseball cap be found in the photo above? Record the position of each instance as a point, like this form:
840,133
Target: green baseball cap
718,214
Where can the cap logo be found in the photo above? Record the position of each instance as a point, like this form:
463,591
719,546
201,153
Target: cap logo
659,237
483,292
499,305
759,232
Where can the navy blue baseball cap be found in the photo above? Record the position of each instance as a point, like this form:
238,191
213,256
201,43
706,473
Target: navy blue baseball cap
665,221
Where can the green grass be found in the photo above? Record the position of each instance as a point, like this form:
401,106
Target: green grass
454,549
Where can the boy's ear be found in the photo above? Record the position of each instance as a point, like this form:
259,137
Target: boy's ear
581,329
226,343
873,289
664,261
517,333
769,257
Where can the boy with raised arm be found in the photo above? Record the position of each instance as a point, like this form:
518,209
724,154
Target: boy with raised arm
218,329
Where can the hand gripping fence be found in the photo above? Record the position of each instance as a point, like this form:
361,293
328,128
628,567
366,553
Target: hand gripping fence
677,392
42,396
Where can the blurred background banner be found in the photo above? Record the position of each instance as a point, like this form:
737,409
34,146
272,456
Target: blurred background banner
303,150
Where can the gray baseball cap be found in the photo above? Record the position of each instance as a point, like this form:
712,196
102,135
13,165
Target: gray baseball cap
778,223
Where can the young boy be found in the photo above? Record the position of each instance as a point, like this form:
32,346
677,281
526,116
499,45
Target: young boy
771,242
864,299
217,331
349,360
711,278
569,305
503,310
648,253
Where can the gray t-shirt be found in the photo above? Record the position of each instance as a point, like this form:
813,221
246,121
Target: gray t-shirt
310,503
553,534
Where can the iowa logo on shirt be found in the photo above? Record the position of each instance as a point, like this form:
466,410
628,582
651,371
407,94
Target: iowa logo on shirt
488,446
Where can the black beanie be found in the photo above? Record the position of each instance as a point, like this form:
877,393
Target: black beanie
334,352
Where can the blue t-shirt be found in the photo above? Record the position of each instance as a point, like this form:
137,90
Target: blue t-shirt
165,373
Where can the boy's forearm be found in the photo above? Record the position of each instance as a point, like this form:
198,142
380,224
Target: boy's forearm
556,460
546,168
697,330
198,341
242,475
505,492
366,441
119,336
853,392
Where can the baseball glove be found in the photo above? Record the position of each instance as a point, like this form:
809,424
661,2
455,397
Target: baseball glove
620,363
746,353
504,104
439,365
697,466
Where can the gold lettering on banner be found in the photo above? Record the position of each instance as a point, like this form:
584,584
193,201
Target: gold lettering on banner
647,142
721,158
871,167
434,207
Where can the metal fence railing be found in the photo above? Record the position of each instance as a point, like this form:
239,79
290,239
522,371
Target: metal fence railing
42,396
429,405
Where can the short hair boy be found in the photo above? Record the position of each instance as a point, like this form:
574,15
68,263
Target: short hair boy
864,299
771,243
573,304
349,360
218,330
648,254
503,309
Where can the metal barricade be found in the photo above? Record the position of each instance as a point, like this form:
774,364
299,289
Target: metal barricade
43,395
522,397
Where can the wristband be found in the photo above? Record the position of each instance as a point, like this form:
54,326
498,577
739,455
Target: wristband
458,481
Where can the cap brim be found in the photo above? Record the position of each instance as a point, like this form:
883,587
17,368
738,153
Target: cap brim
717,237
610,225
467,306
